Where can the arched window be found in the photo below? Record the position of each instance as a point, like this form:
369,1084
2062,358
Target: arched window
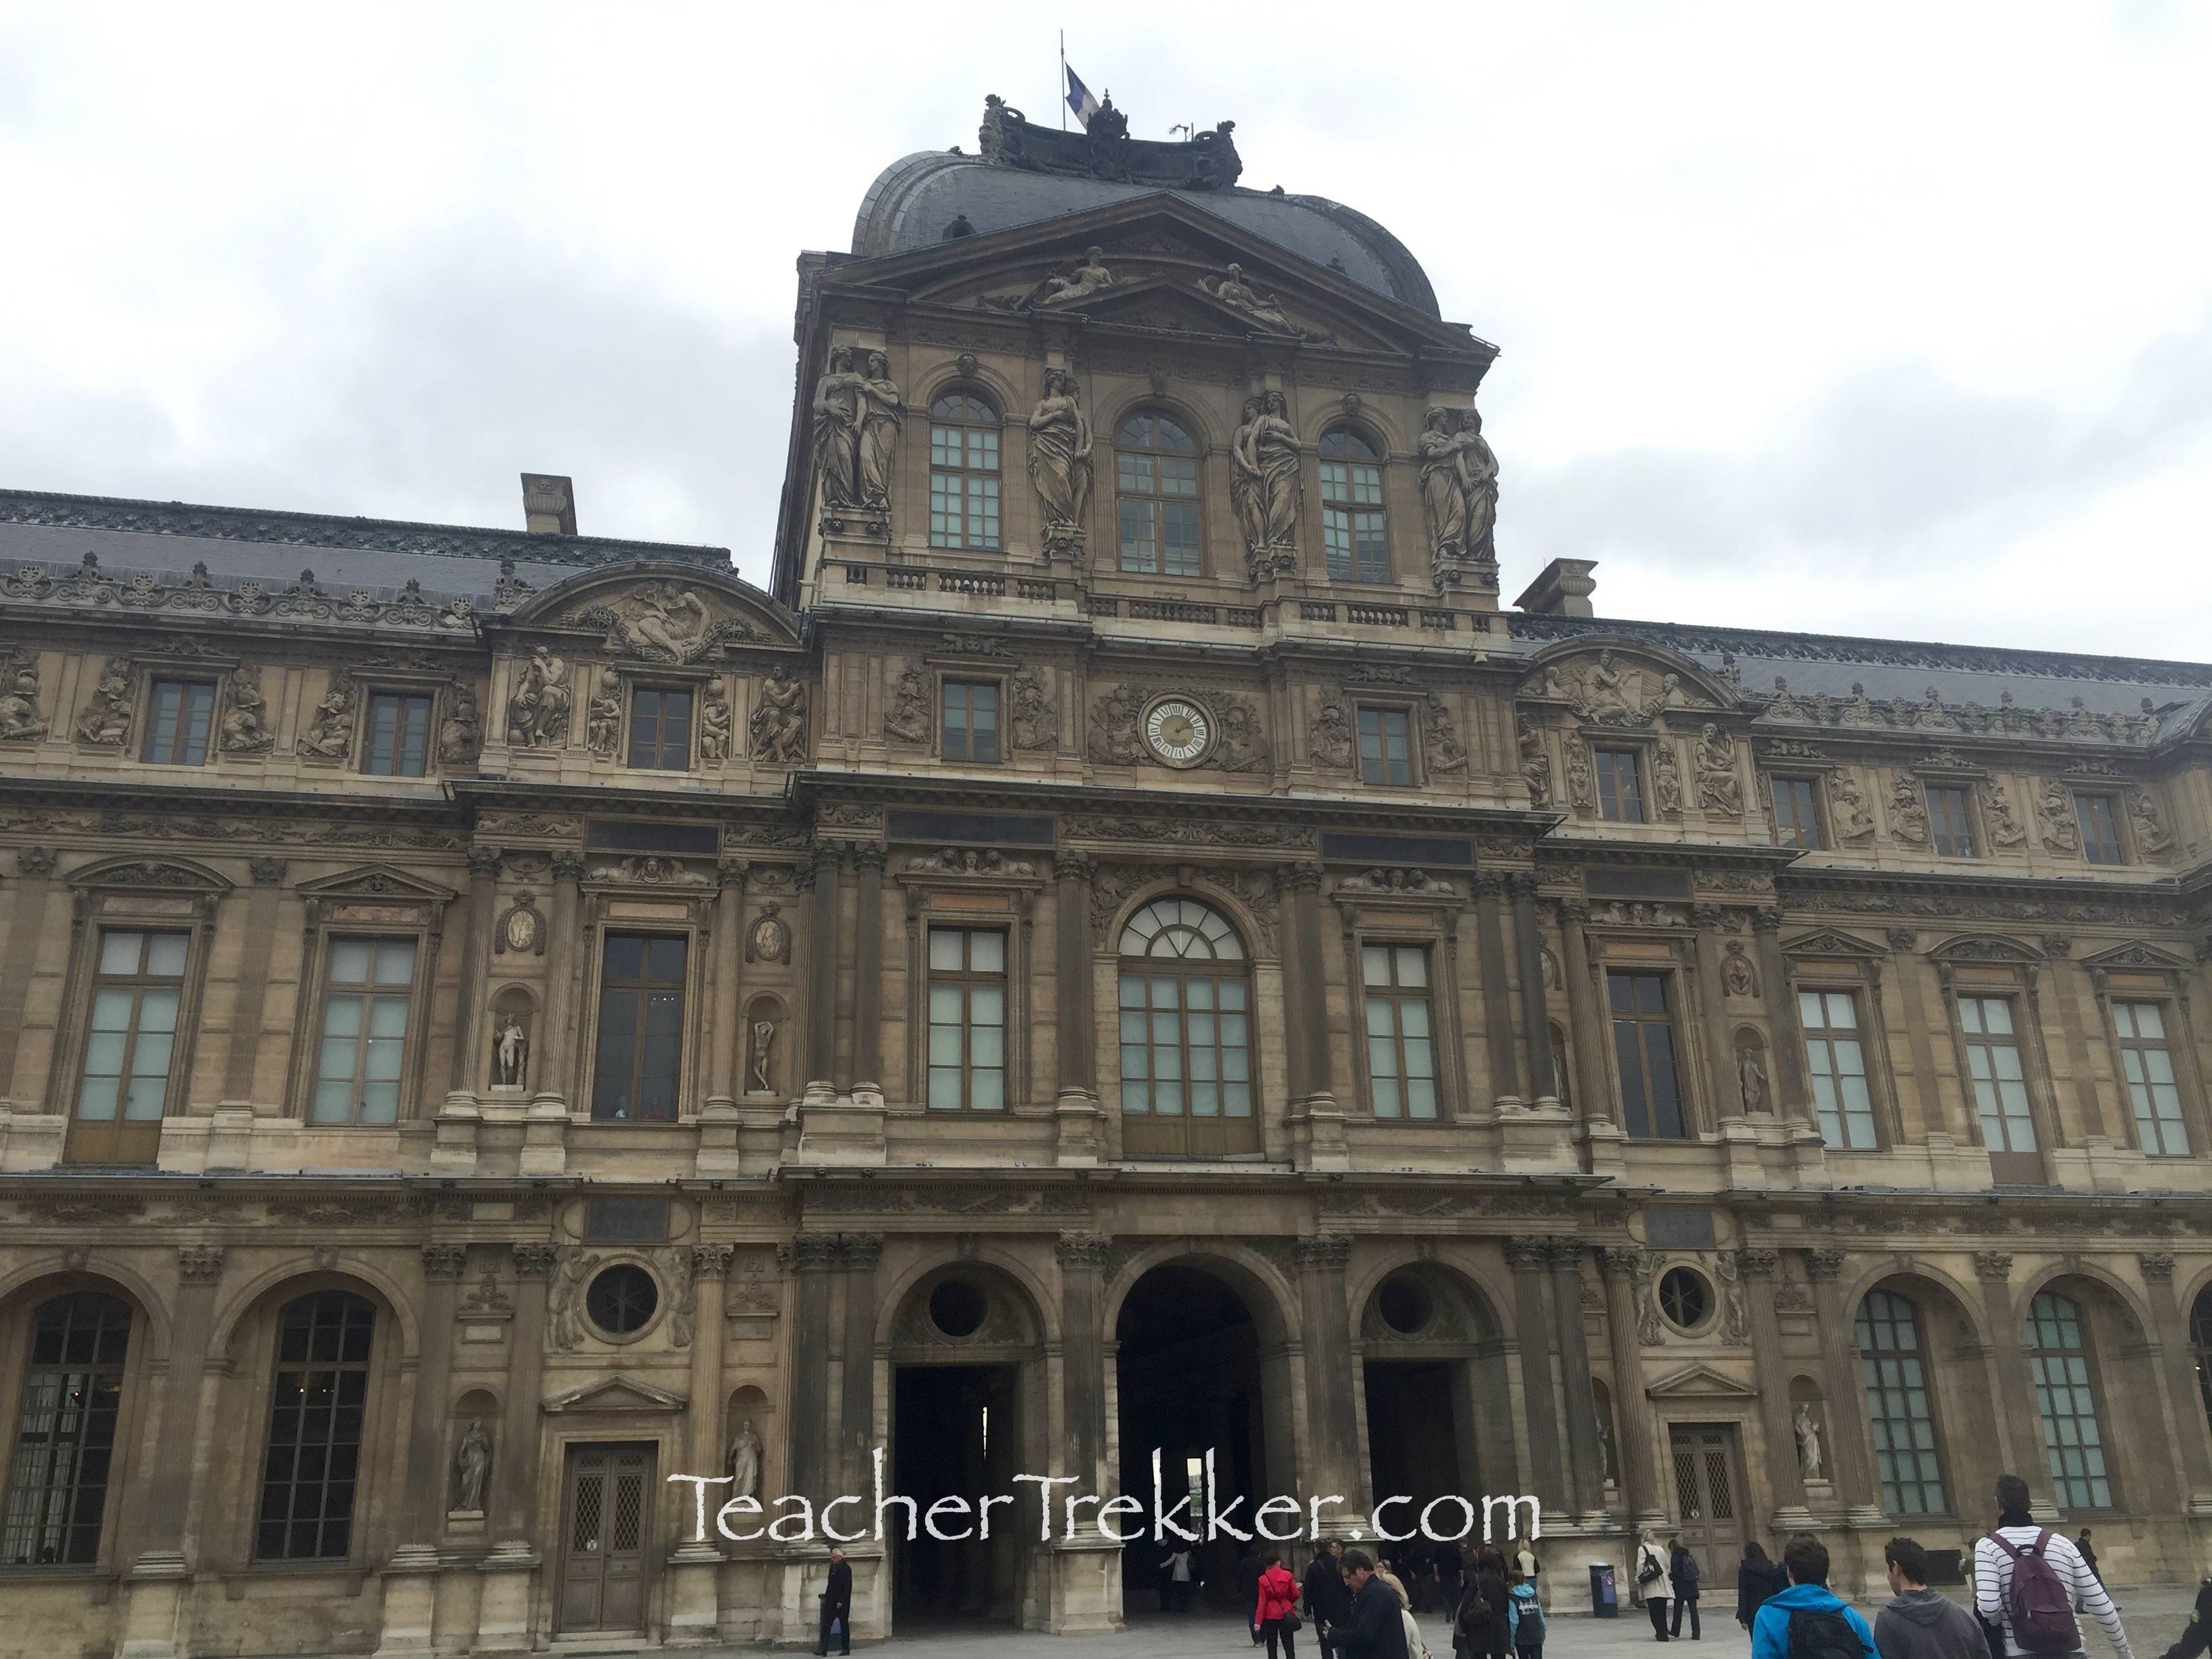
1897,1405
2073,1441
1185,1033
963,472
316,1405
65,1431
1353,529
2200,1339
1156,496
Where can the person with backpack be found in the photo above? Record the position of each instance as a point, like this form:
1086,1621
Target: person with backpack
1482,1629
1327,1598
1809,1620
1921,1623
1525,1617
1276,1605
1651,1581
2028,1580
1682,1573
1757,1578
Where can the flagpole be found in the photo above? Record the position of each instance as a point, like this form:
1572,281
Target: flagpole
1063,80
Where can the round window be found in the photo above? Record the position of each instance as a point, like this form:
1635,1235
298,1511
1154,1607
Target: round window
1405,1304
621,1299
956,1308
1685,1298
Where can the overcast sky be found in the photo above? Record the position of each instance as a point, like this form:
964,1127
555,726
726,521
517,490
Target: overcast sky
1889,319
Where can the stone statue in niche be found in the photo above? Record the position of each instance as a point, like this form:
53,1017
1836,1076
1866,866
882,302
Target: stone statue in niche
744,1462
461,734
538,713
510,1053
1087,278
244,730
778,727
1719,789
837,430
20,719
758,1078
329,735
1666,780
603,715
1059,458
881,410
663,623
1264,485
1752,1076
1536,764
471,1466
1807,1430
106,719
716,722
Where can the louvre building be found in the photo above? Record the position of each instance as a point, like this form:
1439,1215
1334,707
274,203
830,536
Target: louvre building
1126,943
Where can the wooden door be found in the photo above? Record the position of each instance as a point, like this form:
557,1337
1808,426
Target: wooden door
1708,1499
605,1520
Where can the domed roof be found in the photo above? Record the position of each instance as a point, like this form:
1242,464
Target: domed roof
917,201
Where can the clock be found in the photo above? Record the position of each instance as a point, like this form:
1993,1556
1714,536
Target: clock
1178,730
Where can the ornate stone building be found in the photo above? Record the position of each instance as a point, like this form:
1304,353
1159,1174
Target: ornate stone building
1126,944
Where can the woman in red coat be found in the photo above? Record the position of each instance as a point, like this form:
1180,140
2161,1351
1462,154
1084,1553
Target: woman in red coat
1279,1598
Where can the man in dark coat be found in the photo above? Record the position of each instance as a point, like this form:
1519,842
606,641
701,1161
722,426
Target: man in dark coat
1328,1603
838,1605
1248,1588
2198,1637
1377,1629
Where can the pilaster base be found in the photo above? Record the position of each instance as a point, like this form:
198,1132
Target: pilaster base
1869,1515
29,1140
1079,1130
503,1618
1086,1587
1317,1139
1605,1148
545,1136
230,1137
454,1150
718,1123
410,1587
694,1605
153,1607
1535,1139
847,1129
1793,1518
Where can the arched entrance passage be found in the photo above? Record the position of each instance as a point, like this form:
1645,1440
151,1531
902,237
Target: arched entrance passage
967,1415
1202,1368
1439,1405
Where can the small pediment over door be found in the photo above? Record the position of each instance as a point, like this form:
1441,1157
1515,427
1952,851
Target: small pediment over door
617,1394
1700,1383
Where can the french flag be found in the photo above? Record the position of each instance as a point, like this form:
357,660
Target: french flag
1079,99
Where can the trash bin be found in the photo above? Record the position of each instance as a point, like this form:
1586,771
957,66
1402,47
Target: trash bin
1605,1600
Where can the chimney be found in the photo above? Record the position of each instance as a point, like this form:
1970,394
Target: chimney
1563,590
548,505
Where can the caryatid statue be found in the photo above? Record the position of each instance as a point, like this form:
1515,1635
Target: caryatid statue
837,430
881,411
1265,471
1060,452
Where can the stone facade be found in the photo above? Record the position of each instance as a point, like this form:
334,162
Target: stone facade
525,1014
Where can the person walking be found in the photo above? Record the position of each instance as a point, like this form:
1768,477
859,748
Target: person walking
1248,1588
1275,1606
1682,1573
1651,1581
1525,1618
2027,1582
1756,1578
1920,1623
1809,1620
1374,1627
1484,1627
1328,1600
838,1606
2197,1637
1176,1569
2089,1556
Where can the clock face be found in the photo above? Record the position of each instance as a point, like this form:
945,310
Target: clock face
1178,730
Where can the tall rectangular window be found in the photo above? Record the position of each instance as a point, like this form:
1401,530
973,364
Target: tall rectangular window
2100,830
398,740
1950,823
65,1432
1837,1064
1993,1062
971,720
1644,1043
1355,537
132,1034
967,1019
1897,1406
1401,1052
2148,1066
2073,1434
318,1403
660,728
640,1048
367,986
1797,813
180,717
1156,496
1386,746
1619,787
963,473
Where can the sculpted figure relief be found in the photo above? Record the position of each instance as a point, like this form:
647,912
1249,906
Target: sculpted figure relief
2005,829
1330,737
1239,295
1854,821
1264,484
1536,764
1666,780
538,713
1059,457
664,622
106,719
1582,775
881,412
329,735
1086,279
2060,832
778,727
510,1054
2152,839
1719,789
603,715
461,734
1908,813
908,718
1442,498
1036,720
716,722
20,719
244,730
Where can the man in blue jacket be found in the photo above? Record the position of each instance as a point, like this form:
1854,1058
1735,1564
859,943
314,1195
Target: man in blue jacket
1826,1627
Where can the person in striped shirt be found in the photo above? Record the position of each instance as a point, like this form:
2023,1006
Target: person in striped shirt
1993,1566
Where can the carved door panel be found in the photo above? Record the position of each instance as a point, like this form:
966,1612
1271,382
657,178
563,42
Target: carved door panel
1708,1497
605,1520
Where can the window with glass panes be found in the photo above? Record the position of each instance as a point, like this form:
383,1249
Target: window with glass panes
2099,827
2148,1064
131,1035
641,1047
963,472
1386,746
1644,1044
1156,496
366,986
1619,787
64,1441
660,727
1950,823
1836,1063
2000,1080
397,741
317,1405
971,720
1402,1050
1797,813
967,1019
179,718
1890,1364
2200,1343
1353,532
2073,1437
1186,1032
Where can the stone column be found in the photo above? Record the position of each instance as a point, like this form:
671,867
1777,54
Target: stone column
155,1621
1782,1023
2178,1379
503,1620
1592,1035
728,1010
1627,1308
695,1610
251,994
556,1036
2019,1425
1535,1019
868,971
1528,1258
819,878
26,920
410,1577
812,1255
1503,1038
1760,1270
1584,1450
1332,1431
470,1014
1723,1088
857,1254
1308,996
1075,1032
1851,1445
1082,1258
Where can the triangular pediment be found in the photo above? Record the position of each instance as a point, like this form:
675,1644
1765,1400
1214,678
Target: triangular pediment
1700,1382
377,882
2135,954
1828,942
616,1393
1984,947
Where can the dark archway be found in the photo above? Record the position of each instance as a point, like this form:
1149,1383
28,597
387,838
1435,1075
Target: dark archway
1433,1376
